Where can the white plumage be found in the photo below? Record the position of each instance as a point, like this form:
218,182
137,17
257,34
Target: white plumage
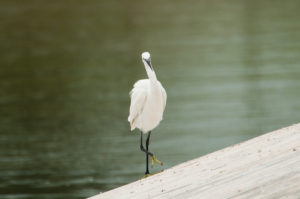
148,100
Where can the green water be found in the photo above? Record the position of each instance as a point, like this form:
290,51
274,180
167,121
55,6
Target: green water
231,70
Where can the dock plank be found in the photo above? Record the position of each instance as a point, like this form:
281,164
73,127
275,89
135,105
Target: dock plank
267,166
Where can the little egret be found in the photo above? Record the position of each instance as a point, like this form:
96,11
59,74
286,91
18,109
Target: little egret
148,102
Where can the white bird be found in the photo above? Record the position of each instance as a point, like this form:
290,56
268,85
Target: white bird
148,102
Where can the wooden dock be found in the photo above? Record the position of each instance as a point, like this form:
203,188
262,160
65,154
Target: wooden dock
267,166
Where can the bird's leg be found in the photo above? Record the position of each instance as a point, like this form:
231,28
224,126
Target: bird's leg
147,148
154,159
147,153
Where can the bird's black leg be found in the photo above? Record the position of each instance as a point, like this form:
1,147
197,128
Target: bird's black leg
148,140
146,152
154,159
147,149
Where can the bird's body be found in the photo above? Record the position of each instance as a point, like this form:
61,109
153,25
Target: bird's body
148,102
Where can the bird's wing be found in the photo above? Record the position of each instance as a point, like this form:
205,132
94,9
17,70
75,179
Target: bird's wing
138,98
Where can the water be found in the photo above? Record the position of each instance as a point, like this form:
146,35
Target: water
231,70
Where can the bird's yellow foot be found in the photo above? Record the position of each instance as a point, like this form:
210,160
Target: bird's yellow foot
151,174
147,175
154,159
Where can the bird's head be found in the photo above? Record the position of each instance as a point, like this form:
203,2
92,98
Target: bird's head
147,59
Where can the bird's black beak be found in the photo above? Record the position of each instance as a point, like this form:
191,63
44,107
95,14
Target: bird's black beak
148,61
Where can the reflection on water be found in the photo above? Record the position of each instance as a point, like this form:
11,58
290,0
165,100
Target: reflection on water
231,70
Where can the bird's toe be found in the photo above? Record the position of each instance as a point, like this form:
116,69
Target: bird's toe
154,159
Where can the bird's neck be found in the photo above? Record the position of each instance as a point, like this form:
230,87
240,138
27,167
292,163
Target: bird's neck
152,76
150,72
